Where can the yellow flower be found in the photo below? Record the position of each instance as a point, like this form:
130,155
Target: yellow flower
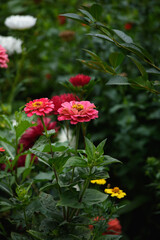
99,181
115,192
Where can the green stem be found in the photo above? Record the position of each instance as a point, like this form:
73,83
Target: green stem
76,147
55,172
25,217
75,211
77,136
16,80
84,133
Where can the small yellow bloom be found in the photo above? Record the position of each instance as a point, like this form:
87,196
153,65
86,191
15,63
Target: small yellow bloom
115,192
99,181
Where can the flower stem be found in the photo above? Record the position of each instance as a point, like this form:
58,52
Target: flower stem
25,217
55,172
16,80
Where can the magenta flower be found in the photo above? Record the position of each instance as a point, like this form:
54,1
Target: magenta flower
58,100
77,111
3,57
33,133
40,107
79,80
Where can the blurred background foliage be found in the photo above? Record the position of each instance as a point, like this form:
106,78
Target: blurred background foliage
129,118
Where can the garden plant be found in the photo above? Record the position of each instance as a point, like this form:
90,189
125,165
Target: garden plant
60,169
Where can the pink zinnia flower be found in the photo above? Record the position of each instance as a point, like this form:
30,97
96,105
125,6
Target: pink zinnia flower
58,100
33,133
40,107
79,80
2,149
77,111
3,57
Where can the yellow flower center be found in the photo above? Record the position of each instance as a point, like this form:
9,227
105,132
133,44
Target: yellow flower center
78,106
37,104
115,189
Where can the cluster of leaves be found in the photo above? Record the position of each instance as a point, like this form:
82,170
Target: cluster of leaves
90,16
44,200
129,118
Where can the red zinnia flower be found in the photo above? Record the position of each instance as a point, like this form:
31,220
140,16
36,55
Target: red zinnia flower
2,149
33,133
77,111
61,20
114,227
3,57
48,76
79,80
128,26
58,100
40,107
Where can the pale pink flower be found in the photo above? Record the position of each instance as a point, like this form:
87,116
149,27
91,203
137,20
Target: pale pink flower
3,57
40,107
77,111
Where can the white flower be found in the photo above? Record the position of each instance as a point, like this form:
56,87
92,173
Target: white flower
11,44
62,137
20,22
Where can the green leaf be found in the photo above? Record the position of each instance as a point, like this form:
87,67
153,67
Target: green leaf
57,147
47,201
87,14
7,120
36,235
22,127
4,174
17,236
58,162
47,187
90,149
70,199
3,139
123,36
116,59
110,237
139,66
109,160
101,146
145,53
118,80
104,37
6,189
74,17
140,83
96,11
41,143
134,49
43,176
42,157
153,71
75,161
11,150
93,196
92,54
